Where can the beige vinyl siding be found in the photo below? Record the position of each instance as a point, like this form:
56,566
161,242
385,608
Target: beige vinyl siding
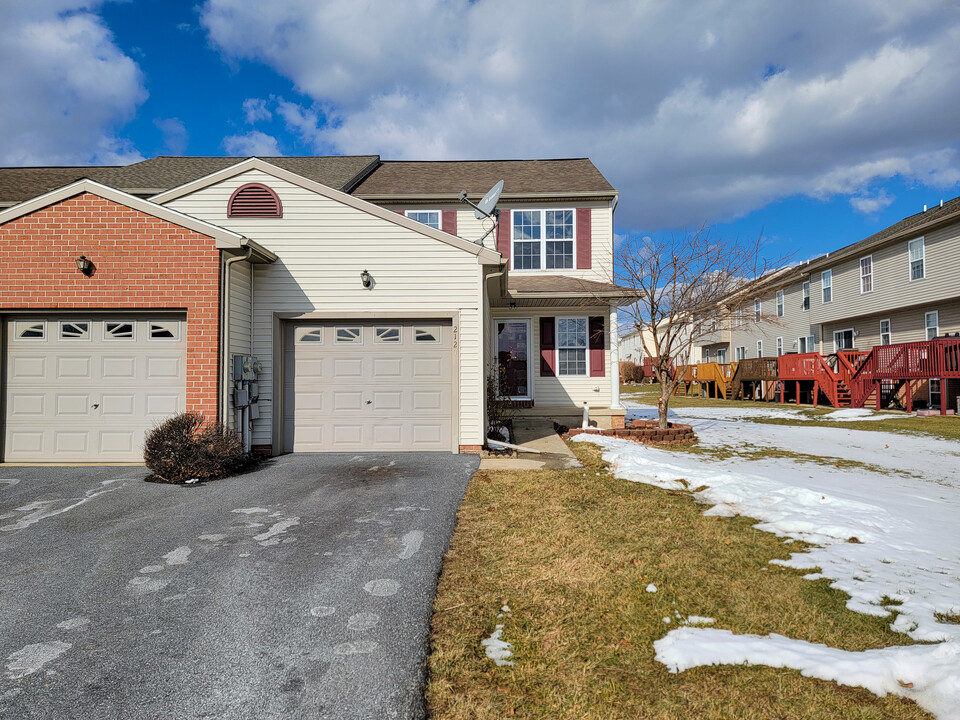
241,315
905,325
322,247
892,287
562,391
795,323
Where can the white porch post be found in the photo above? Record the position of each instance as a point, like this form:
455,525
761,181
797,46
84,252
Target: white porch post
614,359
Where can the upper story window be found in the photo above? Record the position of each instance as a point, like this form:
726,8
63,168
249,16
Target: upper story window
826,285
542,239
757,310
254,200
806,296
427,217
866,274
916,259
779,303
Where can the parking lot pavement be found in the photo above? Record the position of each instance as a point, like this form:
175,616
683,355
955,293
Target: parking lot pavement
301,590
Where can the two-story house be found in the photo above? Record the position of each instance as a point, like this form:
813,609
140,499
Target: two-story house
363,289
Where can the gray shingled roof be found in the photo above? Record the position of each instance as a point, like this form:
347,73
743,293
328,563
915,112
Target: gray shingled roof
403,178
22,183
519,285
166,172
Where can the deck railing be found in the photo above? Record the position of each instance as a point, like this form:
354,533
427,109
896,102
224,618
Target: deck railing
810,366
719,373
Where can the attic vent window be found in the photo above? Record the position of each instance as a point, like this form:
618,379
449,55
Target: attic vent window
254,200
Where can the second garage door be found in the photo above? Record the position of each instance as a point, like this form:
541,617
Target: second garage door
368,386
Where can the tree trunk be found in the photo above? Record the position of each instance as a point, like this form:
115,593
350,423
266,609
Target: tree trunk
663,405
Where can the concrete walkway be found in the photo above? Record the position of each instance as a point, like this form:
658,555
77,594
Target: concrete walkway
536,434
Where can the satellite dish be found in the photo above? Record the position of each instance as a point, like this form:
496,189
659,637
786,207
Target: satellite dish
489,202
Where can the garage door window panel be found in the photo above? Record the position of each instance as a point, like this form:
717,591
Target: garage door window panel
119,330
310,335
31,330
387,335
165,330
426,334
74,329
351,334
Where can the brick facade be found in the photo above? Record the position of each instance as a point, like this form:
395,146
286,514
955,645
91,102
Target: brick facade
141,263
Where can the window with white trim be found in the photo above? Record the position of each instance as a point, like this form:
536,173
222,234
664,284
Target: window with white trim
348,334
826,286
931,321
759,348
30,330
806,344
427,217
916,252
806,296
779,346
572,346
722,355
866,274
543,239
741,353
779,303
757,310
885,335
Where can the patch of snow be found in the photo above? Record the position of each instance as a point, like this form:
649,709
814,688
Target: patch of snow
411,544
211,537
278,528
699,620
145,585
496,649
651,588
178,556
42,509
851,414
251,511
666,620
322,610
149,569
73,623
363,621
927,674
382,588
31,658
506,608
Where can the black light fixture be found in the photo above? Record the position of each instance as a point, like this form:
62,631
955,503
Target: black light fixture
366,279
84,265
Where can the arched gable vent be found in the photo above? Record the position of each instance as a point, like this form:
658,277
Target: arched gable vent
254,200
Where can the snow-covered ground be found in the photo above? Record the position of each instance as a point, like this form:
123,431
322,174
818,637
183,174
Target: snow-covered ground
880,537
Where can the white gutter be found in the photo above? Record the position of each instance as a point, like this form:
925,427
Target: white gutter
225,335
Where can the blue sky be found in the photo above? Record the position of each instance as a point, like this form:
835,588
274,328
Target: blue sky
815,124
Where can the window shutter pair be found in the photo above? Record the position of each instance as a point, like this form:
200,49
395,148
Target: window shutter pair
548,346
584,237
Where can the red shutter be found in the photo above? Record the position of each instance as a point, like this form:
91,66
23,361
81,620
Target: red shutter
402,212
548,346
584,239
448,221
597,364
503,235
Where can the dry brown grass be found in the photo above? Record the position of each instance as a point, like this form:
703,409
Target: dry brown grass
572,553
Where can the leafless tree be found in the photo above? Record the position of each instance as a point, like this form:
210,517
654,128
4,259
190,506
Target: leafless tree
683,289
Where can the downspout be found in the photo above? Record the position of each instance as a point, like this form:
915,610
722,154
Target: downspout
225,334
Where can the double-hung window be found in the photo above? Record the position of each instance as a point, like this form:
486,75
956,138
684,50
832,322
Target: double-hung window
572,346
757,308
931,321
759,348
779,346
885,338
543,239
741,353
806,296
779,303
427,217
806,344
826,286
917,270
866,274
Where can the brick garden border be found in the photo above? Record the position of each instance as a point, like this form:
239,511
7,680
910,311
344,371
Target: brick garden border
642,431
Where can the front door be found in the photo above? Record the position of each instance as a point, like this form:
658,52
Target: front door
513,358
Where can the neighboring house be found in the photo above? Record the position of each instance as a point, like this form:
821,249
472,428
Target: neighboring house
896,286
358,284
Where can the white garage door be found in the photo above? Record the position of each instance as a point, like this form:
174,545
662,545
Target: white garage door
85,388
378,386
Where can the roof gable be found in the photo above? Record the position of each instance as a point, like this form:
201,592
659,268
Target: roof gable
484,255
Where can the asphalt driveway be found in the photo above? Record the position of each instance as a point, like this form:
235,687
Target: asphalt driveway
302,590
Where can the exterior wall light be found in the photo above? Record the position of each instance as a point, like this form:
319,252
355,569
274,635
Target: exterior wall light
366,280
84,265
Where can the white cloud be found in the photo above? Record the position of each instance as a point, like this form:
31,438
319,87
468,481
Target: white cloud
66,86
695,116
868,205
252,143
255,110
175,135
